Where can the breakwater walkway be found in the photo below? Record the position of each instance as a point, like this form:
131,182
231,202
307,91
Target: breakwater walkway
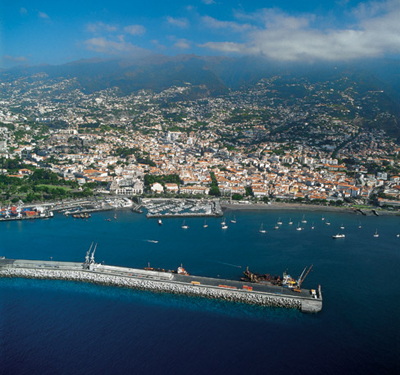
229,290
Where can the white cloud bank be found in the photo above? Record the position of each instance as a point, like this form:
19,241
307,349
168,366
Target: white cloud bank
114,47
375,32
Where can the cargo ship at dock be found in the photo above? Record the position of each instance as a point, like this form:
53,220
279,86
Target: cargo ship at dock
23,213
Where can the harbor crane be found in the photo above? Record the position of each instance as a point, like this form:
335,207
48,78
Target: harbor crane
301,278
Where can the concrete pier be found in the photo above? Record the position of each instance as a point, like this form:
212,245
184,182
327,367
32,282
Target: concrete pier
229,290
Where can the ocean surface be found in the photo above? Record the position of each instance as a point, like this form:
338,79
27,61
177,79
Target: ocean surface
59,327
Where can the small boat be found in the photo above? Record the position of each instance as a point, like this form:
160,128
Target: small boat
342,226
279,222
184,226
224,226
376,234
115,216
339,235
160,222
323,218
233,220
299,227
290,221
359,226
205,224
397,235
327,222
312,226
262,230
223,222
303,220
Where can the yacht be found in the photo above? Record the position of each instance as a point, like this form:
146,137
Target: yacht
341,235
303,220
262,230
279,222
290,221
205,224
376,234
342,226
312,226
299,227
233,220
359,226
184,226
224,226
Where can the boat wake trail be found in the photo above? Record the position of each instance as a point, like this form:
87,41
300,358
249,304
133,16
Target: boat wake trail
227,264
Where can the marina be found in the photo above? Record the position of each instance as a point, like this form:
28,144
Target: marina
57,309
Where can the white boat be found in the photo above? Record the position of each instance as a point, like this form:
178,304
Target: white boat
342,226
224,226
290,221
233,220
339,235
323,218
184,226
223,222
303,220
262,230
299,227
159,222
376,234
205,224
312,226
359,226
279,222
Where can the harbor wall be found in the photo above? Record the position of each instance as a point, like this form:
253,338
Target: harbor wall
153,281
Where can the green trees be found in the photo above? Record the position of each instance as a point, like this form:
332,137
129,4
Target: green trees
214,189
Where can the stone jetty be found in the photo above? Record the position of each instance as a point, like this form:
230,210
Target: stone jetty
165,282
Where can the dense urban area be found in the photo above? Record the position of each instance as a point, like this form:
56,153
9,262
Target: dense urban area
279,139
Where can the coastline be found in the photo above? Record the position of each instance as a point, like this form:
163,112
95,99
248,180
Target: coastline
298,207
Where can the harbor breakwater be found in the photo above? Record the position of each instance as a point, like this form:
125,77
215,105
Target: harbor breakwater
153,281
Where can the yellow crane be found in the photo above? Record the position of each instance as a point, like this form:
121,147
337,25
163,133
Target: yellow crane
302,278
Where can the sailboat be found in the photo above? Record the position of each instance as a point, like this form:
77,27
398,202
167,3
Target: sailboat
299,227
312,225
205,224
279,222
290,221
224,226
342,226
159,222
359,225
303,220
223,222
233,220
327,222
184,226
376,234
262,230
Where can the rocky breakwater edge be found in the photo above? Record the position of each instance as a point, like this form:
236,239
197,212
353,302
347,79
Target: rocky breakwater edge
100,278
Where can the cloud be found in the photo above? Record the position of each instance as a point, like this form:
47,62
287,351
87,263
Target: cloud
182,43
23,10
179,22
216,24
100,27
135,29
43,15
374,31
117,46
15,58
208,2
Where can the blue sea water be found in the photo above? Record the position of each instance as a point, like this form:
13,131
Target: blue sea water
57,327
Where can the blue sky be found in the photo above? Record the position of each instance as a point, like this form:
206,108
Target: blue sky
54,32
